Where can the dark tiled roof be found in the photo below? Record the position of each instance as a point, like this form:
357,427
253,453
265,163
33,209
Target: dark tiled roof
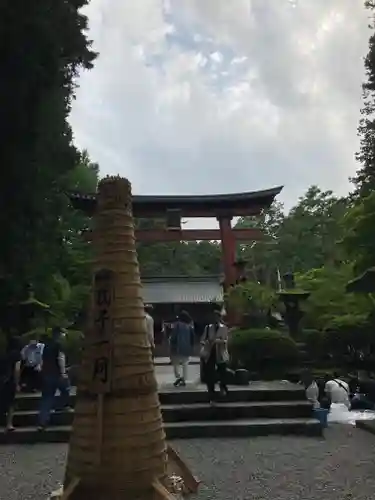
145,204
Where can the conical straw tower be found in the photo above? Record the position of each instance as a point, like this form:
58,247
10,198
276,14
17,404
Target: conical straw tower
117,448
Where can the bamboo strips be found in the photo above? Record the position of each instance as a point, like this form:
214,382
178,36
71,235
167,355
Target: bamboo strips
117,386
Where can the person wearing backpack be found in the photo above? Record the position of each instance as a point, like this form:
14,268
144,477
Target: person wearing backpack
31,356
337,390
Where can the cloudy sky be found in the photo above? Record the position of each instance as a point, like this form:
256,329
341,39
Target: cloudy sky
212,96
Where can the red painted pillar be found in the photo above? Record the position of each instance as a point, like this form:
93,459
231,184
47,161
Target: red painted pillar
228,245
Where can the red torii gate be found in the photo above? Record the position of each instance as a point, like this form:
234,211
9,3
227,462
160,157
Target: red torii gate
173,208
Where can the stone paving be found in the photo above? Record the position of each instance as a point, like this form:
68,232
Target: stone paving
165,377
160,360
339,467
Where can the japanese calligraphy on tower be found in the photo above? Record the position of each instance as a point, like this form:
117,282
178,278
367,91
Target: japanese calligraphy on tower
100,335
101,367
103,305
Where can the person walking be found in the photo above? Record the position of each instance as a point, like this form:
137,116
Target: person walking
10,368
181,343
54,377
215,356
150,327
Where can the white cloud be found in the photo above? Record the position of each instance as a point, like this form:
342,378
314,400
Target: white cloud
199,96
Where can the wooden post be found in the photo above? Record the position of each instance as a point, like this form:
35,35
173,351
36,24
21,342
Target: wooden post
228,245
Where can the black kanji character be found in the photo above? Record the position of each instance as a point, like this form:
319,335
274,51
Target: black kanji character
103,297
101,370
101,320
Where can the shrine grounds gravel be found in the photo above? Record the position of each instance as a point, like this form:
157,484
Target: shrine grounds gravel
339,467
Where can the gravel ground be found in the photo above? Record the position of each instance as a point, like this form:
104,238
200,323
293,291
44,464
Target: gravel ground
340,467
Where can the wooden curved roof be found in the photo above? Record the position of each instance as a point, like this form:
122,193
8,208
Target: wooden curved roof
250,203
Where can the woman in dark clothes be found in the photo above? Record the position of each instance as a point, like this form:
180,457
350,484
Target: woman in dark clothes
10,367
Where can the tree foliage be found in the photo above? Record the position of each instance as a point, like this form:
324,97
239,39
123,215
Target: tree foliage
43,48
329,300
359,241
263,257
193,258
365,177
67,288
251,297
267,352
311,230
359,221
73,276
301,240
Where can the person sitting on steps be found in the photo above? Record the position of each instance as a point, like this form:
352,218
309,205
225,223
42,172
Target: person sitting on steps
311,388
337,390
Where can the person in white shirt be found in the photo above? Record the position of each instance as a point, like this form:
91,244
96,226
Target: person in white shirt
337,391
150,326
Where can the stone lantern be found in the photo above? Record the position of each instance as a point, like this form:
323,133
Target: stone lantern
292,298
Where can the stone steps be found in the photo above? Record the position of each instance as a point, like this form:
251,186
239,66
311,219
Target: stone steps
260,409
243,428
192,412
168,395
236,410
184,430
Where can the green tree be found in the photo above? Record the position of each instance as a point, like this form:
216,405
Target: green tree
329,300
69,289
193,258
304,239
365,177
43,48
252,297
360,219
359,241
263,257
84,177
309,234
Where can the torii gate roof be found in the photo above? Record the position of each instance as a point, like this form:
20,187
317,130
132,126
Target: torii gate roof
145,206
